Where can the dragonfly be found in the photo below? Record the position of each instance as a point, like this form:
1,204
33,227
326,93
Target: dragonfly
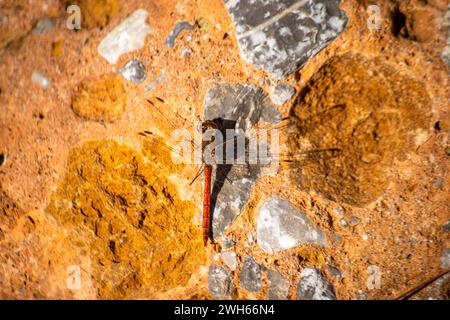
211,151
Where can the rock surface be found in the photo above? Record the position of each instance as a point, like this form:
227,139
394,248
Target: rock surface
280,36
126,37
134,71
280,227
278,286
314,286
63,211
229,258
250,276
219,282
282,93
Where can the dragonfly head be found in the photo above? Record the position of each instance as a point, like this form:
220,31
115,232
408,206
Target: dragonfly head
208,125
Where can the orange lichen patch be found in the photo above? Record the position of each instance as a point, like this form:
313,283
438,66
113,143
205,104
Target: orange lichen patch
102,99
138,233
96,13
366,111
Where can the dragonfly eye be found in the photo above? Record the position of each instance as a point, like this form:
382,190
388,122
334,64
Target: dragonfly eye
207,125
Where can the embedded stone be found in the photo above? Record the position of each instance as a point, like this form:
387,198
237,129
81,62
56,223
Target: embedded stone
279,286
280,36
219,282
251,275
279,227
134,71
314,286
126,37
229,258
282,93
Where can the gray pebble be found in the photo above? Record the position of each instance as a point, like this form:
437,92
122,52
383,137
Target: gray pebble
314,286
279,286
251,275
229,258
219,282
134,71
354,221
280,226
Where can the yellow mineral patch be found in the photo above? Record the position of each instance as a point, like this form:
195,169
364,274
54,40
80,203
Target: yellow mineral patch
102,99
130,219
311,256
370,114
96,13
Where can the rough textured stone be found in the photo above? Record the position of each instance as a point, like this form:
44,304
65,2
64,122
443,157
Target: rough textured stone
280,36
282,93
242,106
250,275
314,286
280,227
219,282
134,71
279,286
126,37
229,258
